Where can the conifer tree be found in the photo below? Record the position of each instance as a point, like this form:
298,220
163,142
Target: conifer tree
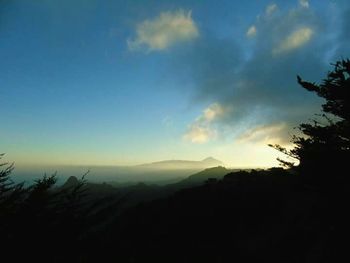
323,148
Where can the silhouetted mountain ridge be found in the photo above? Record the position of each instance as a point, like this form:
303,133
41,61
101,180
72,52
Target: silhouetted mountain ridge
245,217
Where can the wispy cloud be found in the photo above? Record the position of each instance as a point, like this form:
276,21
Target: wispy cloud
251,32
270,9
295,40
164,31
266,134
304,3
199,133
202,129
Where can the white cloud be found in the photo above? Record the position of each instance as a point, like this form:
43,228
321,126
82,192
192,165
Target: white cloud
251,32
270,9
266,134
202,130
304,3
164,31
213,111
296,39
199,134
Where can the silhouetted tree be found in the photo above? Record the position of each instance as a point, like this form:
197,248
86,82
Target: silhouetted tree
38,219
11,197
323,149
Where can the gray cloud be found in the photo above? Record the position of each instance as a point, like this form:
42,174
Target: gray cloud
258,83
343,48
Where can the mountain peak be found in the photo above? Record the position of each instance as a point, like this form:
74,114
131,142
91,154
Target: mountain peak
212,161
209,159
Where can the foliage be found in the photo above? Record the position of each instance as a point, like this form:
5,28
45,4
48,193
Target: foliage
40,217
324,147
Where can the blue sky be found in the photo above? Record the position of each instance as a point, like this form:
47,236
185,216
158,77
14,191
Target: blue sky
124,82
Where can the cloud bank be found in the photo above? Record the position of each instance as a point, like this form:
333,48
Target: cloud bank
261,86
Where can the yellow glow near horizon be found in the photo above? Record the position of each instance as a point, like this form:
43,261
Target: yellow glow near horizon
236,155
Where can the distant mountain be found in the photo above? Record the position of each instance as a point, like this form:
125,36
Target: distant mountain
161,173
182,164
212,162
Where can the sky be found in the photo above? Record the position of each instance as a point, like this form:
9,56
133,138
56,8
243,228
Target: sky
91,82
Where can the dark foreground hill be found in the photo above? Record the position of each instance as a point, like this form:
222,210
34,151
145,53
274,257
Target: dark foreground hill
256,216
267,216
199,178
